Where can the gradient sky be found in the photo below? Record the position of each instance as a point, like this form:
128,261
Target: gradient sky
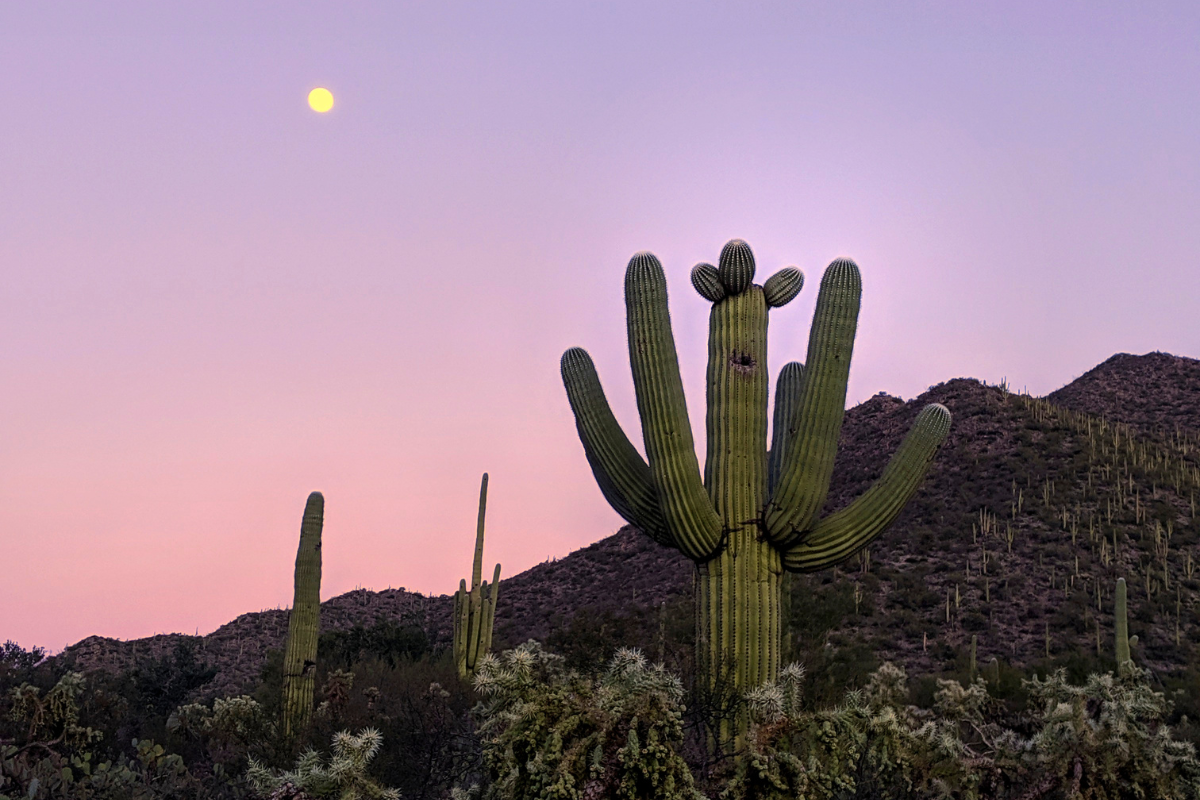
214,301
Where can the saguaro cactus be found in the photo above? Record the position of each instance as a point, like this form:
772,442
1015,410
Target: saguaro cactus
304,622
475,611
1125,642
755,514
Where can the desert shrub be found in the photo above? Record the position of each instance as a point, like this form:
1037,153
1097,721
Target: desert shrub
55,756
386,640
161,684
1105,739
341,775
552,733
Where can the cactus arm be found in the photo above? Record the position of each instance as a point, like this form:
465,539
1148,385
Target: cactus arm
474,630
490,610
477,564
808,465
782,287
787,395
621,472
304,622
707,282
845,532
689,514
461,626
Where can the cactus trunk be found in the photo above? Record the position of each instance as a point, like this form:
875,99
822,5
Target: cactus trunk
739,617
304,622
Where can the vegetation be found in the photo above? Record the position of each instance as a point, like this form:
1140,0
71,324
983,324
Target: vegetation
1040,533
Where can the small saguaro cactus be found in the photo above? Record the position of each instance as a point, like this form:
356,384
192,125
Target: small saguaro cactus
304,622
756,512
1125,642
475,610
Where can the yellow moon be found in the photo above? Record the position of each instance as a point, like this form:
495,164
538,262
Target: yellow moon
320,100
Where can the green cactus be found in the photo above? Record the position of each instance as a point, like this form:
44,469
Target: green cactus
1125,642
973,670
304,622
475,610
755,513
992,672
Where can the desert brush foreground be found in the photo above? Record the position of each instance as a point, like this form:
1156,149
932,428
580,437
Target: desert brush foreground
1006,608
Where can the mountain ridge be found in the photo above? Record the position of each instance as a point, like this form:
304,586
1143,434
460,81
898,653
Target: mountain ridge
930,561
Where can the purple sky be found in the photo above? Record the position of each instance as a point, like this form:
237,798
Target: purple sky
214,301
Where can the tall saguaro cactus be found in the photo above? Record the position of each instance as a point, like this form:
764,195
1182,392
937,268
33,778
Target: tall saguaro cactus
475,610
1125,642
755,513
304,622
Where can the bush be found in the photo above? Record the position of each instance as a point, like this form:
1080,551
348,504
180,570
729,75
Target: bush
550,733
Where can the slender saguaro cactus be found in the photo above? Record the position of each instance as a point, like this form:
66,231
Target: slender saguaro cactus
304,622
755,513
475,611
1125,642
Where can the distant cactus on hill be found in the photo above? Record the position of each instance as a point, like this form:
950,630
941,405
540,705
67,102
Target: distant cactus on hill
304,623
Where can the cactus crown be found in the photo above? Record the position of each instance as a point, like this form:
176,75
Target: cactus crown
736,266
665,497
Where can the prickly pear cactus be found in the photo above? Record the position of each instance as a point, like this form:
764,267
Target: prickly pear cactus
475,610
755,512
304,622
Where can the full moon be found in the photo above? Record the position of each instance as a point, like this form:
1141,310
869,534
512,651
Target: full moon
320,100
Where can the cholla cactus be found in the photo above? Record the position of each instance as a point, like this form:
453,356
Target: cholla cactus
234,721
475,610
551,733
54,716
1101,738
778,700
756,512
343,775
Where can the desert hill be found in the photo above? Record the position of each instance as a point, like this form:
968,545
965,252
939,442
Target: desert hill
1031,511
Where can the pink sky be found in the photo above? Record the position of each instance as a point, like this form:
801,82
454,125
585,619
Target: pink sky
214,301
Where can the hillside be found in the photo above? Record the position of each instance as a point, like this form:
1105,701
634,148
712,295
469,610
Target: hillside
1154,392
1031,511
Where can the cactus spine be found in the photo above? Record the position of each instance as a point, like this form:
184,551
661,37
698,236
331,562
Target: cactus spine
755,513
304,622
475,610
1125,642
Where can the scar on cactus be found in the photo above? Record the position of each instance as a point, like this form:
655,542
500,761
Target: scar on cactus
754,515
475,610
304,622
